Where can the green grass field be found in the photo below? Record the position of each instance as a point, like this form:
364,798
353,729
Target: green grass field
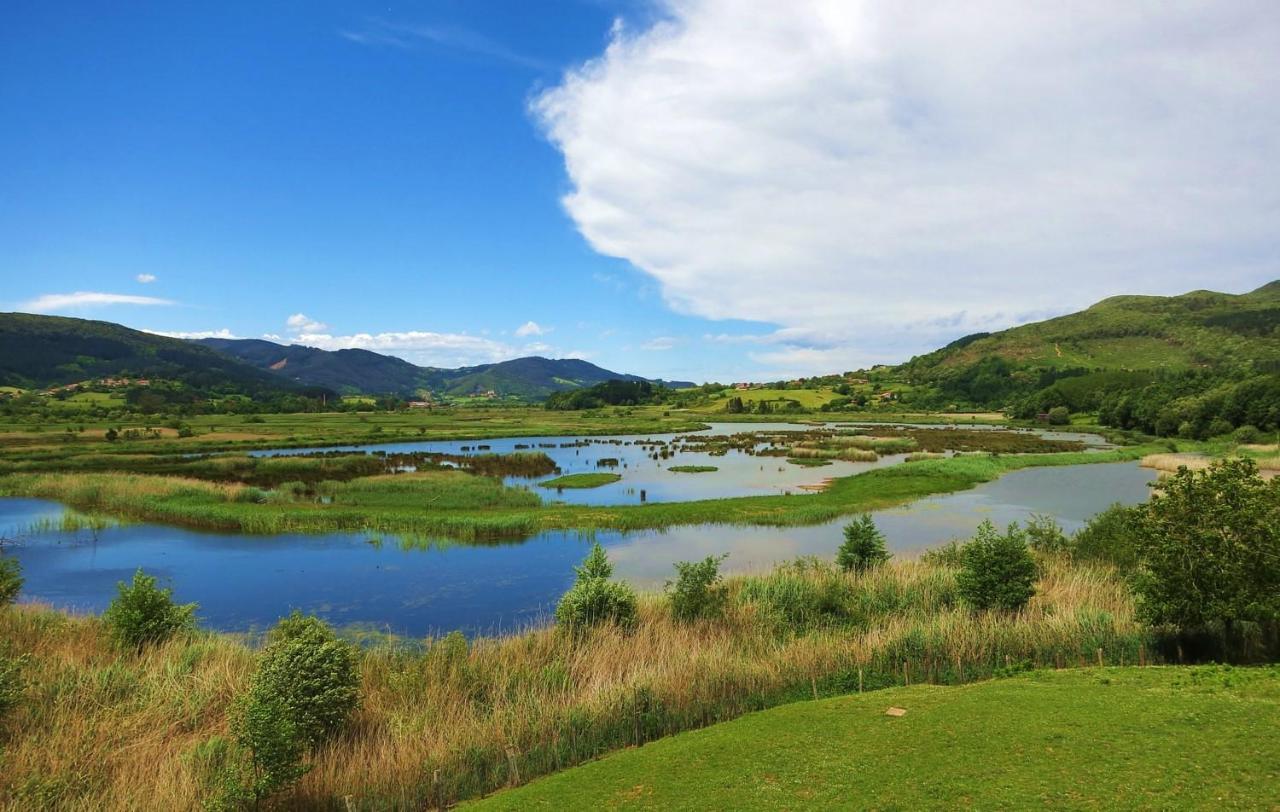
1157,738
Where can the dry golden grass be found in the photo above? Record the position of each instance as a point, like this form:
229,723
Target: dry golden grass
1268,467
105,730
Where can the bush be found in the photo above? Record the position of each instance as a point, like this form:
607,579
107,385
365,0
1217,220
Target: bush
10,580
1059,416
1247,435
1208,549
594,598
1109,537
1044,535
998,571
142,613
863,548
266,758
312,673
698,591
1218,427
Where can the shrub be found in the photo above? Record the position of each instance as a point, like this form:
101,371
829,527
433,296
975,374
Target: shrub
863,548
698,591
1247,435
947,555
267,755
1059,416
111,436
1218,427
1208,548
1109,537
1045,535
142,613
312,673
593,598
10,580
998,571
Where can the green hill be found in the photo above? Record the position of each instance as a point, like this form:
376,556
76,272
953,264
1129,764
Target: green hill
1137,738
1197,329
43,351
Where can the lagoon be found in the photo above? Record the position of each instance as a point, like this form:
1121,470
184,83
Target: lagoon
245,582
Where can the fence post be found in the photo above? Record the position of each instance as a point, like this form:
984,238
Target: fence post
906,675
1100,658
859,680
1142,654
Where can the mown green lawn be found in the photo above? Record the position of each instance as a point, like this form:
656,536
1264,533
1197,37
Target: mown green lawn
1156,738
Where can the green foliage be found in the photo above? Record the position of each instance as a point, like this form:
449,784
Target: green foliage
12,683
1208,547
593,598
863,548
998,571
608,393
1044,535
142,613
267,755
312,673
1059,416
10,580
697,591
1110,536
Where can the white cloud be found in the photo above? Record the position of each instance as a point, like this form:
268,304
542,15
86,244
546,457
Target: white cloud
301,323
146,278
53,302
660,343
223,333
531,328
420,347
892,175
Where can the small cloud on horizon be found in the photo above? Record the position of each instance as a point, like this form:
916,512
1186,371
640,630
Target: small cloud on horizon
146,278
193,334
531,328
302,323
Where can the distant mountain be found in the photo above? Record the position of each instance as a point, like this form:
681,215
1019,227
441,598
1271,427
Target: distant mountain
42,351
361,371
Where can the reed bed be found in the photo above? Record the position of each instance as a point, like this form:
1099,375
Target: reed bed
452,719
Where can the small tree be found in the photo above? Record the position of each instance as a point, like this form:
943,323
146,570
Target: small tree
593,598
313,673
997,570
267,756
1059,416
112,435
143,613
863,548
1044,535
698,591
10,580
1208,548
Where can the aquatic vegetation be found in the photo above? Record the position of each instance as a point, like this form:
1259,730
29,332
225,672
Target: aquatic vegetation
693,469
581,481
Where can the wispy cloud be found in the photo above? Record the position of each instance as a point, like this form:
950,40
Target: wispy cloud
81,300
146,278
223,333
450,37
660,343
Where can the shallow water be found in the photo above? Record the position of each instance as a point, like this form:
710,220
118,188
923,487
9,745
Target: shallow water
244,582
643,478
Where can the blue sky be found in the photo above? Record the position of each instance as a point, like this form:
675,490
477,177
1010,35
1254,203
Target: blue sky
682,190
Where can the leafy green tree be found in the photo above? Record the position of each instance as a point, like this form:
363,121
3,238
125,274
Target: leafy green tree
698,591
267,757
997,569
1045,535
10,580
1059,416
1109,536
313,673
863,548
1208,548
593,598
142,613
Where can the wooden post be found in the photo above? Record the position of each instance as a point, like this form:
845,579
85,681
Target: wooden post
813,682
513,772
1008,661
1099,658
906,675
859,680
1142,654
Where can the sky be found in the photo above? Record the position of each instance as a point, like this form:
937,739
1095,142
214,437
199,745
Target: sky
688,189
